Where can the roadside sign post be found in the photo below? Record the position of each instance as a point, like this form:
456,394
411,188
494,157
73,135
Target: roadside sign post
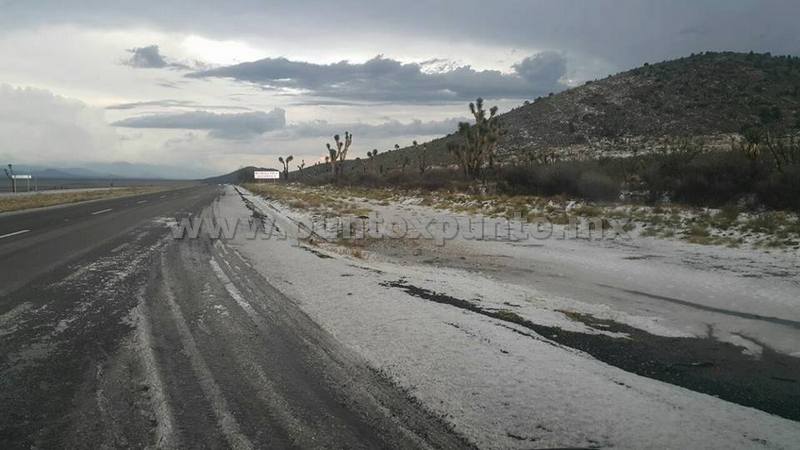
266,175
27,178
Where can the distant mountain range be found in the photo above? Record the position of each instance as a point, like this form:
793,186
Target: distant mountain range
115,170
62,173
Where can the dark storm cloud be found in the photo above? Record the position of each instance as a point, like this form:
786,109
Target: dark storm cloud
544,68
223,126
385,79
621,33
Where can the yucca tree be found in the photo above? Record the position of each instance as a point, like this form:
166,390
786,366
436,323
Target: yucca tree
785,150
404,163
285,163
422,157
338,152
480,140
371,155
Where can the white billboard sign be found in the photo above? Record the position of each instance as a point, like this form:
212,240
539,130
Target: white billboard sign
22,177
266,175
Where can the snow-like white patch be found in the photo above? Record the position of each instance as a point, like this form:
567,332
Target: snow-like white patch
169,222
232,290
10,321
500,388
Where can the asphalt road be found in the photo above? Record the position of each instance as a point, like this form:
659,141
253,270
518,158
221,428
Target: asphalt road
114,334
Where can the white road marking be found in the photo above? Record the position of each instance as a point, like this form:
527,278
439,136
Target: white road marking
102,211
14,233
163,196
141,201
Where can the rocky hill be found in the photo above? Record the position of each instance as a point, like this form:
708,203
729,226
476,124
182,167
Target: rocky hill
705,95
708,96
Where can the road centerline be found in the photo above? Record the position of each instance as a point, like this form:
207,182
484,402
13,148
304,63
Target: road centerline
102,211
13,234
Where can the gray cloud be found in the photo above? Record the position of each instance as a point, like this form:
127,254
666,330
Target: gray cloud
154,103
45,127
150,57
146,58
624,33
223,126
385,79
545,68
169,103
391,128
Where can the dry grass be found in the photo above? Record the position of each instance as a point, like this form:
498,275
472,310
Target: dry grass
728,226
28,201
327,201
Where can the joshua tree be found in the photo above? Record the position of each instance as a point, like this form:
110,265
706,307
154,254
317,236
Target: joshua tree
10,175
285,163
406,162
422,157
480,140
371,155
785,151
396,147
361,165
338,152
749,144
301,166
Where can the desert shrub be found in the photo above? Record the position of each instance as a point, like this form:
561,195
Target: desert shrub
518,181
723,178
587,180
436,179
597,186
713,179
781,190
559,179
710,179
442,179
726,217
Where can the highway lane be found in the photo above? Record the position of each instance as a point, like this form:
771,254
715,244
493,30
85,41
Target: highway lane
113,334
33,242
43,219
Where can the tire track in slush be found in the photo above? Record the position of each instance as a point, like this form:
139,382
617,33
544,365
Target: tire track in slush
225,419
165,435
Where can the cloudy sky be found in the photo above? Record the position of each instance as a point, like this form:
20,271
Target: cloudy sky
203,87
